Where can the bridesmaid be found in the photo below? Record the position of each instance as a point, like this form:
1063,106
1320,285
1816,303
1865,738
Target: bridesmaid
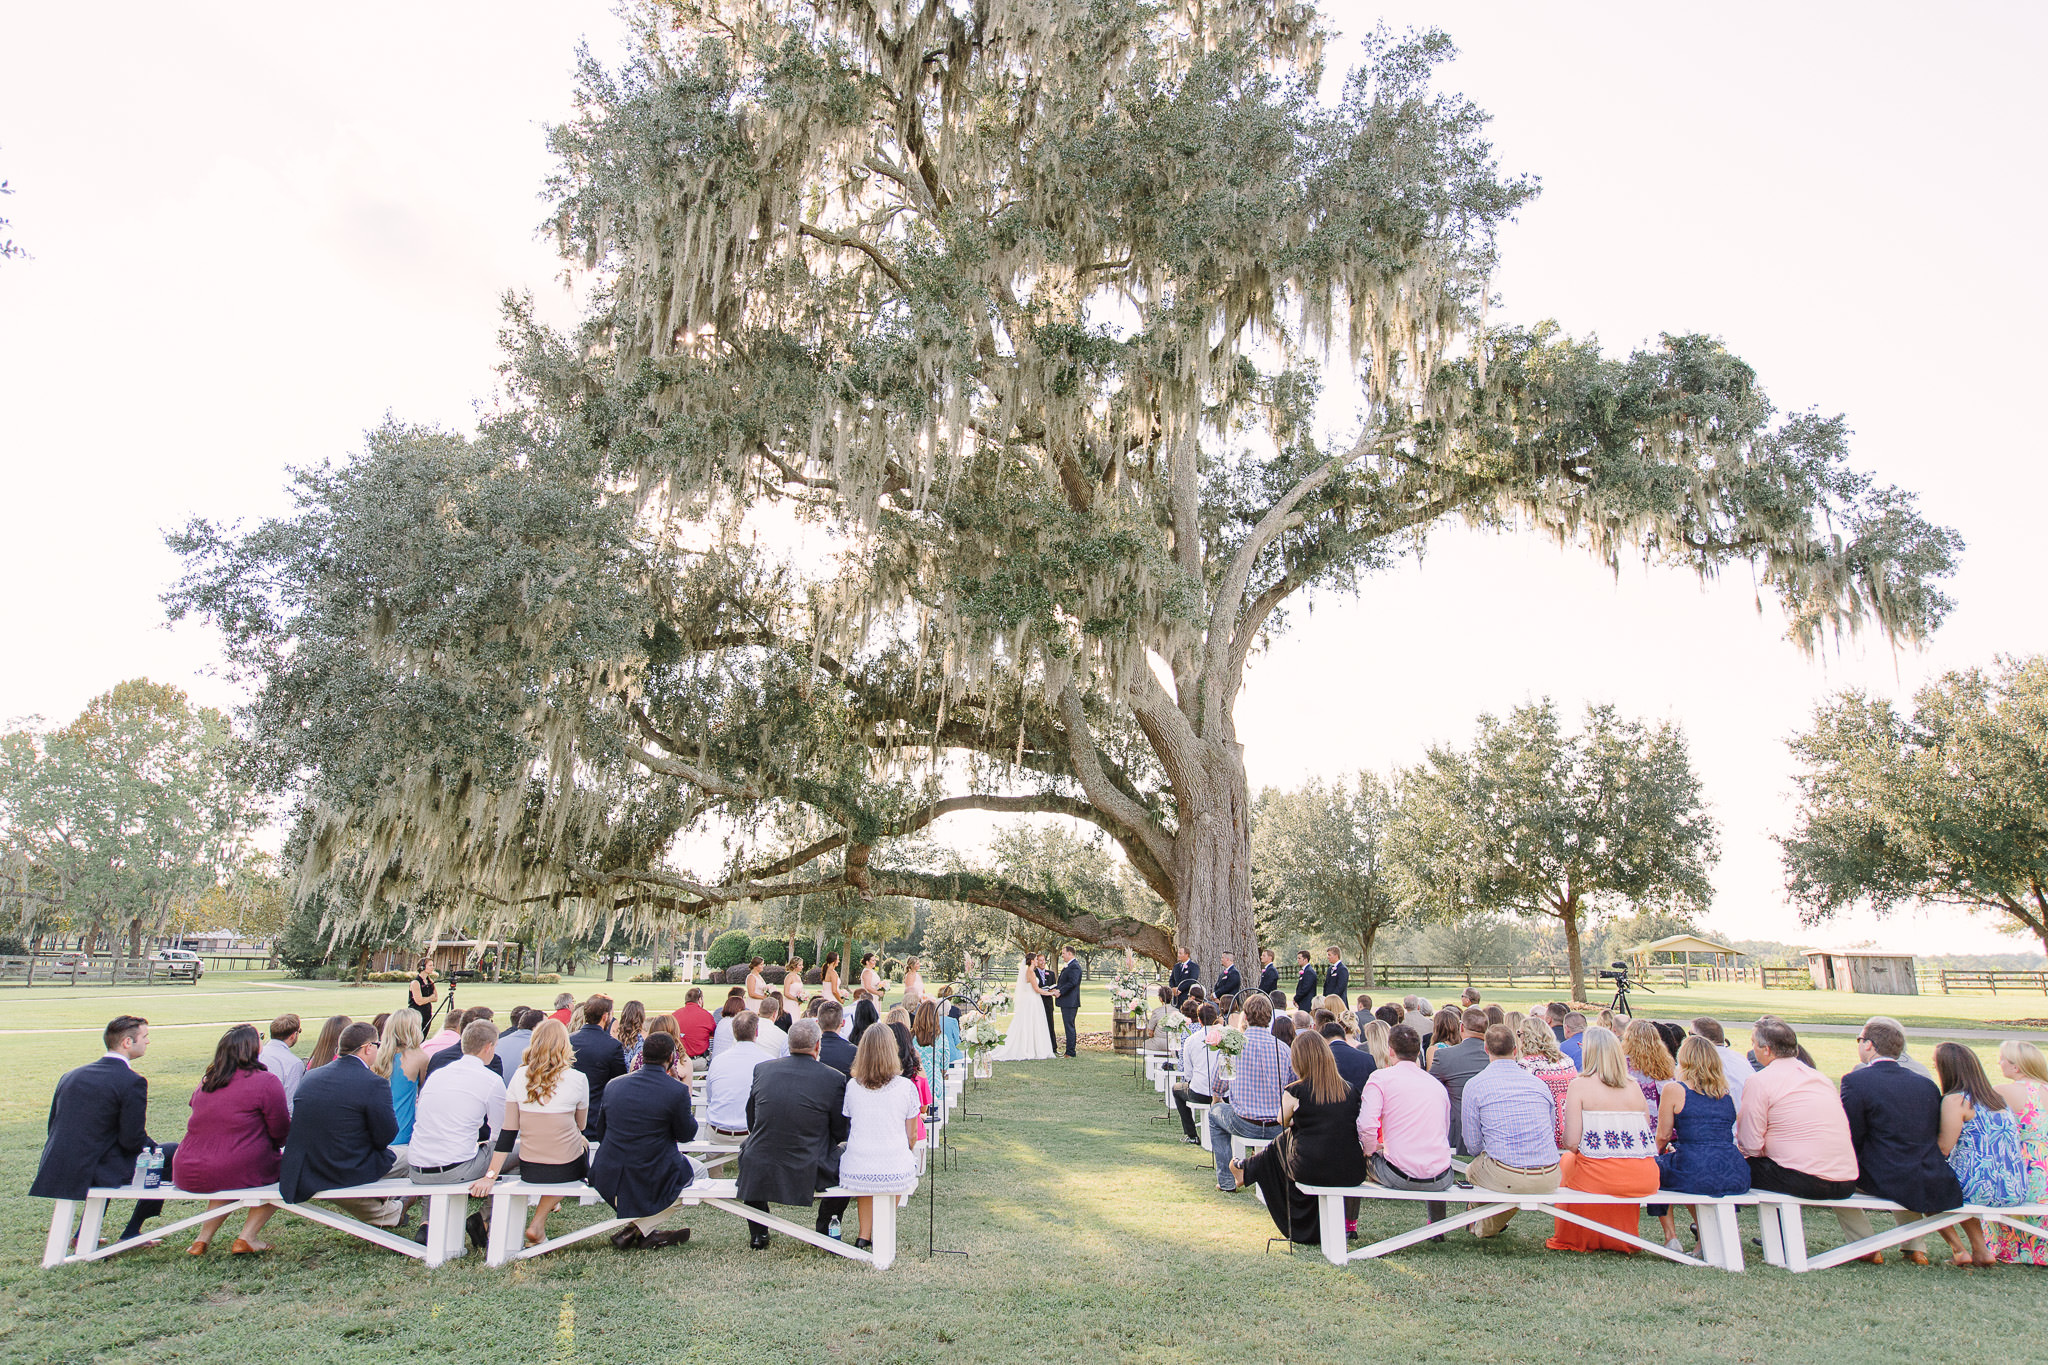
870,979
757,986
2026,1093
913,983
830,984
1981,1140
793,985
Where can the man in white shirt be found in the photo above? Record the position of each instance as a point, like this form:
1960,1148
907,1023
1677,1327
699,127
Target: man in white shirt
769,1037
721,1033
277,1057
731,1078
456,1121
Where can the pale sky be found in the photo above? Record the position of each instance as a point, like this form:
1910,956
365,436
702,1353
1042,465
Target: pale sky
257,229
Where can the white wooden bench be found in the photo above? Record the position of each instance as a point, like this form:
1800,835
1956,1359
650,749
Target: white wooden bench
510,1197
1783,1224
445,1216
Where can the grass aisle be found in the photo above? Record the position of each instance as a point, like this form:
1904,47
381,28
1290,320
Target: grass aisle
1094,1233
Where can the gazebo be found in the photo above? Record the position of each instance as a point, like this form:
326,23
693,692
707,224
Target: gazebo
1685,947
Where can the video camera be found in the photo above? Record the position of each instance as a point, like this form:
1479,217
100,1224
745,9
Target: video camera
1619,972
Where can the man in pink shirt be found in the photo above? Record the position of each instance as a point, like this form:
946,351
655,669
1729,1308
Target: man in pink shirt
1792,1126
1404,1124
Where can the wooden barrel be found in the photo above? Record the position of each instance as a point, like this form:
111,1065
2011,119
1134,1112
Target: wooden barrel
1125,1035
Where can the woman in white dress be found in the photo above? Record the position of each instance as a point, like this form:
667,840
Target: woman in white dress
1029,1038
870,979
913,984
828,985
883,1108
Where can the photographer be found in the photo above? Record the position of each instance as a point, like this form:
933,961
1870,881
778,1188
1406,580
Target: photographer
424,994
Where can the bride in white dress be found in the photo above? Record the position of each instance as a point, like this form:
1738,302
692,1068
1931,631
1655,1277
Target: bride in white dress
1029,1037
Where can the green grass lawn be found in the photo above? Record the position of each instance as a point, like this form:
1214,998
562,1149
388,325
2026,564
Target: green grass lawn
1093,1232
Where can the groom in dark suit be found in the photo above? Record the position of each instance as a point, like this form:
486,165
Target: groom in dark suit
1069,999
1044,980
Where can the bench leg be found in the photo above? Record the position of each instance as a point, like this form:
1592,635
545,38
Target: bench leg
1773,1231
445,1237
508,1225
885,1231
1792,1223
1721,1237
58,1245
89,1226
1330,1221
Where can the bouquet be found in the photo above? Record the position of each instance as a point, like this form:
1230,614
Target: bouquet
1128,991
1228,1041
993,1001
982,1036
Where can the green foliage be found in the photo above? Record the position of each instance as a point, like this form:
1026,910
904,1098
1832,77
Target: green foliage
772,949
1533,821
1947,806
728,949
1319,866
665,972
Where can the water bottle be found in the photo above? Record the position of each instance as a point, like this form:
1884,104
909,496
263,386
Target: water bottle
141,1175
153,1173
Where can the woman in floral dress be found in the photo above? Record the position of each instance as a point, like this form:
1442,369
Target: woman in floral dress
1981,1140
2026,1092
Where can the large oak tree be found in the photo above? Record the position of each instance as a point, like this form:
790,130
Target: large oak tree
1024,310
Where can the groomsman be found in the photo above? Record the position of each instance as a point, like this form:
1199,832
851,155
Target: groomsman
1185,973
1337,980
1305,988
1269,975
1229,983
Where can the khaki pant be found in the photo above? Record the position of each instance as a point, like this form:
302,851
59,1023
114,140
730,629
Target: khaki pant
378,1213
654,1220
1856,1226
1488,1174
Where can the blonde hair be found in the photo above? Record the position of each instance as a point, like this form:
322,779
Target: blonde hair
547,1056
1536,1038
2023,1057
1513,1019
1699,1068
1335,1004
1646,1051
1605,1061
875,1062
401,1035
897,1015
1374,1036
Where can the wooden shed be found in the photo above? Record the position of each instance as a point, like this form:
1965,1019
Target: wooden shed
1868,971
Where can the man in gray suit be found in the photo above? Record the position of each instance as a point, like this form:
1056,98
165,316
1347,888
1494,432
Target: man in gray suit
1457,1064
795,1132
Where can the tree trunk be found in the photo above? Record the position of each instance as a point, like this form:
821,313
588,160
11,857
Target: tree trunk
1569,913
609,959
1213,861
362,965
1365,942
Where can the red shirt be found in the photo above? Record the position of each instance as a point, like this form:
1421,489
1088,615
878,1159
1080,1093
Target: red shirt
561,1017
697,1025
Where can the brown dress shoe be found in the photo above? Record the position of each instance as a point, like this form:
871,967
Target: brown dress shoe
1874,1258
667,1237
1917,1257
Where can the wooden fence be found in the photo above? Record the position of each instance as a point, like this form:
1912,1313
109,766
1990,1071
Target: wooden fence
76,969
1992,983
1558,978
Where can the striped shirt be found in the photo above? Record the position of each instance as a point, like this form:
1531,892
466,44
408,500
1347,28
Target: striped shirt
1508,1115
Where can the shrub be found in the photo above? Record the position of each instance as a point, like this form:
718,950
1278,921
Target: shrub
892,969
11,946
768,950
529,979
728,948
814,976
389,976
736,975
327,972
640,976
665,972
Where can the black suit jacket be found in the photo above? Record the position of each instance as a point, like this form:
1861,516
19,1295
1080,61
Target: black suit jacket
836,1052
600,1058
1894,1121
96,1130
637,1167
342,1127
795,1126
1069,997
1184,975
1337,981
1269,978
1230,983
1354,1064
1305,987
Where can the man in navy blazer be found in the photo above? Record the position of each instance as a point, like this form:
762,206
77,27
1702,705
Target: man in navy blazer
1895,1124
598,1055
1269,975
1183,974
1069,996
96,1120
342,1127
1337,980
637,1167
833,1050
1228,982
1305,985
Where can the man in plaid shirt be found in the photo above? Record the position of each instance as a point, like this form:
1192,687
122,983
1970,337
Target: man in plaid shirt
1253,1110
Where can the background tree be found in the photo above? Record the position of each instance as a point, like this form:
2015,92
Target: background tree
129,811
1027,311
1319,861
1533,821
1947,806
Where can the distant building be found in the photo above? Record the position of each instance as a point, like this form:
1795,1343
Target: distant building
221,941
1869,971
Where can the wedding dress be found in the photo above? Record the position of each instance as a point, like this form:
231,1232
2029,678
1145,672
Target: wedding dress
1029,1037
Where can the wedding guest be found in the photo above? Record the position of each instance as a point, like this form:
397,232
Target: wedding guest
1253,1109
1318,1143
1160,1037
1404,1124
239,1121
631,1031
1513,1019
1670,1034
731,1078
1545,1060
1571,1040
1372,1039
1982,1142
1610,1147
341,1132
1508,1122
1283,1029
1734,1066
328,1044
1459,1063
1494,1015
1895,1125
1390,1015
547,1107
796,1114
1554,1014
1696,1149
380,1021
1468,999
1353,1065
565,1007
1907,1061
721,1035
865,1017
833,1049
884,1113
638,1170
1364,1007
461,1111
1791,1125
96,1121
1197,1083
933,1056
511,1046
402,1062
2026,1093
772,1035
911,1067
678,1063
1332,1002
1650,1068
697,1024
279,1059
599,1058
452,1053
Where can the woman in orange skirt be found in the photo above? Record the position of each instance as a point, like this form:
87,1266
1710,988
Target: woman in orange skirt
1613,1148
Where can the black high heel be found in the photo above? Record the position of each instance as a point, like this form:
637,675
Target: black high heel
863,1244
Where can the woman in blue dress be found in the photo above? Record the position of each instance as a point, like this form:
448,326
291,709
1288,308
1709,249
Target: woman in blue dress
1981,1139
1696,1149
